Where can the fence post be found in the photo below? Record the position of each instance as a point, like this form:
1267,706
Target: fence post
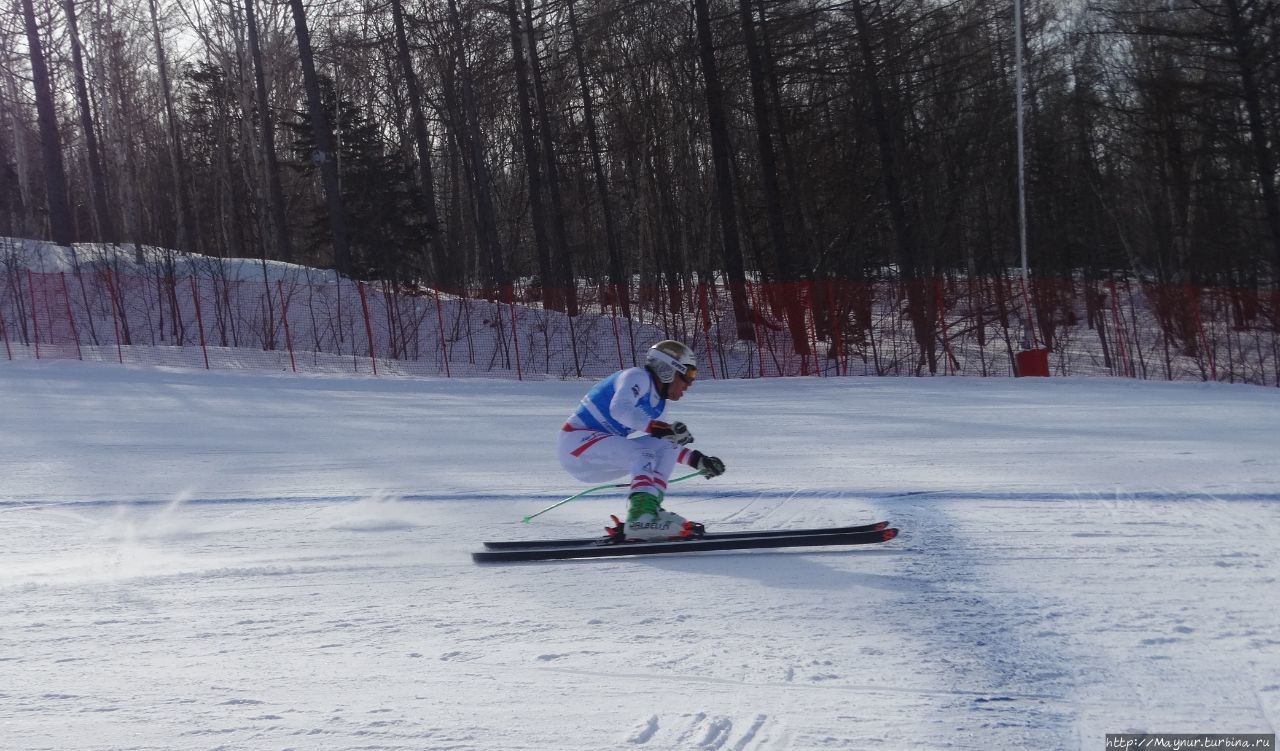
939,292
444,344
515,339
617,336
35,320
756,316
1194,301
368,327
337,305
284,317
115,313
175,313
195,298
71,321
811,327
836,323
4,332
395,331
706,325
1117,325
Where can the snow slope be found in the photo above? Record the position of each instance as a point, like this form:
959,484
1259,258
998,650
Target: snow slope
224,560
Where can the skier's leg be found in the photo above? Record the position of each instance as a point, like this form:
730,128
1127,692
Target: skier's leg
598,457
651,463
594,457
646,519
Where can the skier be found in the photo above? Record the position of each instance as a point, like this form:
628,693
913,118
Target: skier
617,430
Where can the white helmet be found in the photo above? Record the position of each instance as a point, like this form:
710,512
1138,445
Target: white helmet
667,358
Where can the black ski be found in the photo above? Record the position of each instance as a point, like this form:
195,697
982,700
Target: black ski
593,541
604,549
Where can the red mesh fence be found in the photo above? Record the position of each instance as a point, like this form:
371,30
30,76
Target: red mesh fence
309,321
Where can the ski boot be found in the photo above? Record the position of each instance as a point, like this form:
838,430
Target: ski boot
646,520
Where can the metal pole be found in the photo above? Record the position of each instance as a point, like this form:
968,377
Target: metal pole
1022,163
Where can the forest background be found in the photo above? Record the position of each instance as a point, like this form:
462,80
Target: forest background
539,149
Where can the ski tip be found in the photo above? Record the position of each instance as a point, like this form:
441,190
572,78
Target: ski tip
879,526
888,534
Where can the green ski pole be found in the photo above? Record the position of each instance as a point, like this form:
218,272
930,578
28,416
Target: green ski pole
588,491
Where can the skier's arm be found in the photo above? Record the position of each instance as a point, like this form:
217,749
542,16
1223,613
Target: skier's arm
676,432
631,391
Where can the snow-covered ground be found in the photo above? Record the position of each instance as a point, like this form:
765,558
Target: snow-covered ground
225,560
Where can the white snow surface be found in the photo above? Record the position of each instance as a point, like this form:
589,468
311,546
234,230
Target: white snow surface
239,560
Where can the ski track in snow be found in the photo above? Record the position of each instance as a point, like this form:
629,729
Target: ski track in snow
142,611
329,625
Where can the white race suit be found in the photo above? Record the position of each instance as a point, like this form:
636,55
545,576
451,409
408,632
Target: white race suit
605,437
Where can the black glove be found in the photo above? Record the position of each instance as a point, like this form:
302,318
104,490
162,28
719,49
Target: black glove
676,432
708,465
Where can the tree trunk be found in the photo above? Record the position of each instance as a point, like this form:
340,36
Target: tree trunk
275,193
1263,154
464,241
919,297
187,236
491,260
422,142
97,180
55,174
561,261
618,283
551,293
788,264
324,156
721,160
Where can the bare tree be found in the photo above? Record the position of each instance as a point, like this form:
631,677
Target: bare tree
618,283
55,177
188,239
721,160
471,142
918,296
275,192
325,155
422,143
97,182
553,294
789,264
562,261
